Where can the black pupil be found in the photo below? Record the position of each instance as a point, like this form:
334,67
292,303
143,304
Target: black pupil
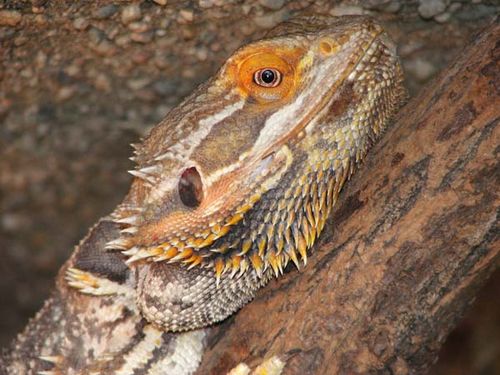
268,76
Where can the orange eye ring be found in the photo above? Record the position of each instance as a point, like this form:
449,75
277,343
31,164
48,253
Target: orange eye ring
267,77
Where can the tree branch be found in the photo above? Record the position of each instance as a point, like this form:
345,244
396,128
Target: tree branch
413,238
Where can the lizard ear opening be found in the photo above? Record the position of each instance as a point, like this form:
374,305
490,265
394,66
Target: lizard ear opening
190,188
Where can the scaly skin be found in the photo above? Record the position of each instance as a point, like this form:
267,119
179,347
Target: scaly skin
231,186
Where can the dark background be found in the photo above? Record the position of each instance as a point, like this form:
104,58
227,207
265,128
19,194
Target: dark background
80,81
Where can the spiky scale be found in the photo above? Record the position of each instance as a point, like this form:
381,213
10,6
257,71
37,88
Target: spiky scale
261,246
219,269
257,263
302,248
293,256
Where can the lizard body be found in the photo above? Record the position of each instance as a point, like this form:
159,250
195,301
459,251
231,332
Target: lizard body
235,183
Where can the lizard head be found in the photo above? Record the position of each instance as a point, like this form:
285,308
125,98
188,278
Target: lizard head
239,178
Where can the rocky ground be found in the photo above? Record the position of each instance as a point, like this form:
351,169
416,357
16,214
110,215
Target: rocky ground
79,81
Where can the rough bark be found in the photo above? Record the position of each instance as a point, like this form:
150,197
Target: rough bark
413,238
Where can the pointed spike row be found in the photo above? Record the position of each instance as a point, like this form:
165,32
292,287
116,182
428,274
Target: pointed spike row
129,230
234,219
322,200
55,359
167,254
322,223
142,175
304,228
280,244
243,266
302,248
254,198
141,254
286,196
118,244
270,232
266,266
314,190
317,211
283,203
131,220
312,235
204,234
194,261
298,191
223,249
187,252
337,164
262,246
177,243
219,269
319,176
304,179
138,174
296,234
257,263
291,218
273,261
216,227
260,228
281,230
293,256
235,265
228,265
305,190
288,235
243,209
283,261
125,210
152,169
245,247
79,279
310,215
130,252
164,156
199,243
205,253
326,164
223,231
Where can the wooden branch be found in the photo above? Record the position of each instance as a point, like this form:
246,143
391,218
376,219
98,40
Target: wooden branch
413,238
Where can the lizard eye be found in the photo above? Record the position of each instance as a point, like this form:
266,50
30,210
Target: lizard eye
267,77
190,188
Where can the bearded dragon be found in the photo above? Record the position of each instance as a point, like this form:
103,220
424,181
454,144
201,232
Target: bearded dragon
233,185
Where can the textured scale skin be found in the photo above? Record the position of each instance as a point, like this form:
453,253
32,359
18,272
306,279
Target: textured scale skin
271,164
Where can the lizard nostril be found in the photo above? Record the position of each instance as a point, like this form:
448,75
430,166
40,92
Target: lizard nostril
327,46
190,188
